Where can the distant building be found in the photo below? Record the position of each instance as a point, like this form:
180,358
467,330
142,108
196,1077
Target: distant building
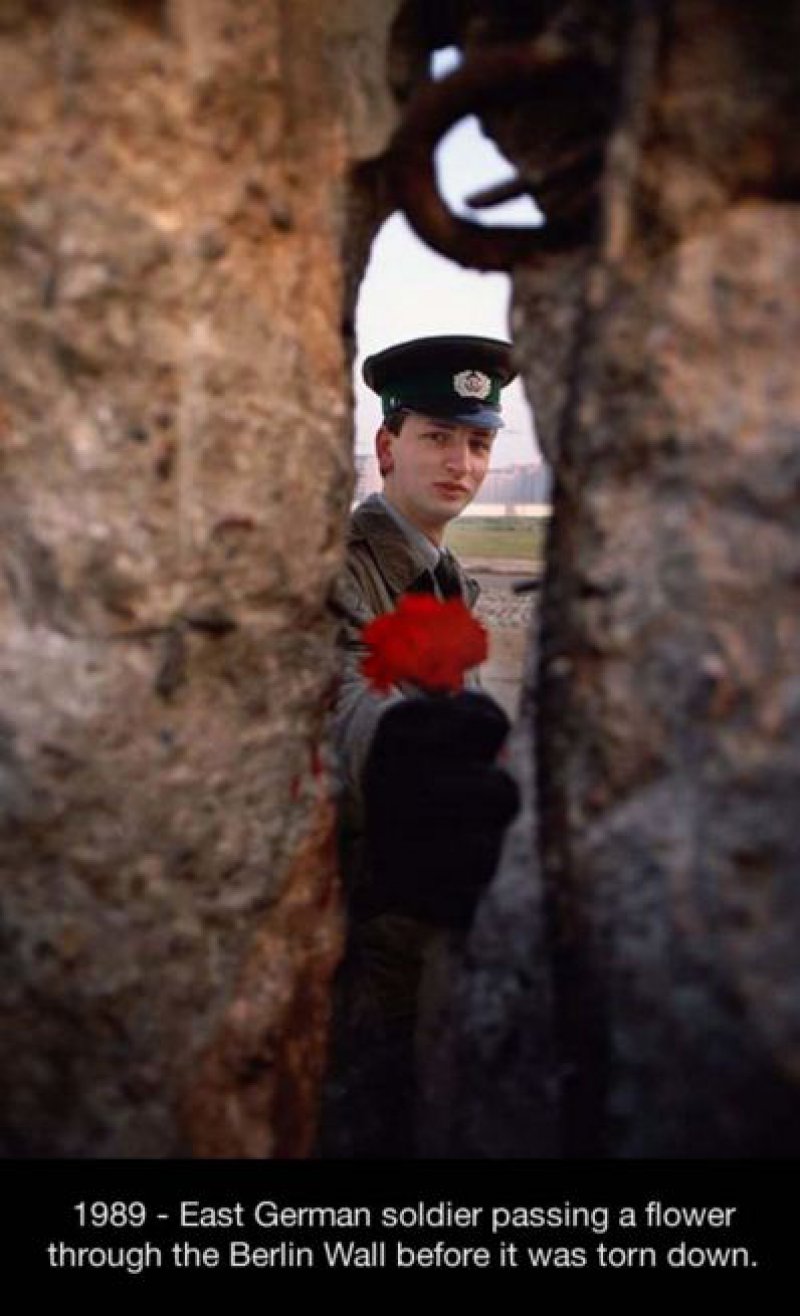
523,484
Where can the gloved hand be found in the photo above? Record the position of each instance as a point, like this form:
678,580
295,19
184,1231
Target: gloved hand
437,805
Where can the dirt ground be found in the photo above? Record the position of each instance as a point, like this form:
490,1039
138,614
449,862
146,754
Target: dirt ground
507,616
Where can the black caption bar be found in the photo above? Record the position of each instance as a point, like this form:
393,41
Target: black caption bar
144,1222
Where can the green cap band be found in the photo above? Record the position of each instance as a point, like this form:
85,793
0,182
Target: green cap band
443,390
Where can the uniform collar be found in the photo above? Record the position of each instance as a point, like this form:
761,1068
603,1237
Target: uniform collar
420,543
400,560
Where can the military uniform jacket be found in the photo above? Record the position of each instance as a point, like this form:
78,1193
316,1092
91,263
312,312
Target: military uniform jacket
369,1096
382,564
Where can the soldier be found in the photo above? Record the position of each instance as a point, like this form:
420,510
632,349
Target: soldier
424,805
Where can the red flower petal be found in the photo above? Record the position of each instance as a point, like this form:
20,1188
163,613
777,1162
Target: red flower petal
425,642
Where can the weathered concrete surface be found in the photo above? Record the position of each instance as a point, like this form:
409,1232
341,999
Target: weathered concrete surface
645,990
179,243
176,476
669,756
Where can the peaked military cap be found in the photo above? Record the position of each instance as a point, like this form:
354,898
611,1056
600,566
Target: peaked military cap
452,377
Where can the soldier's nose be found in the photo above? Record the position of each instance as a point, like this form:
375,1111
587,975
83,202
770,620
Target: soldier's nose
456,459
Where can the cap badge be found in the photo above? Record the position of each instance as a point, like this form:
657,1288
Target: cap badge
472,384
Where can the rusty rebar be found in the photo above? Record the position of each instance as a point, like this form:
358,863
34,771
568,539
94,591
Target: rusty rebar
499,78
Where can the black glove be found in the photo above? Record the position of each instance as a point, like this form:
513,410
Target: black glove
437,806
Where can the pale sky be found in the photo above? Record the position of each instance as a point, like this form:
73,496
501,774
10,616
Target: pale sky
409,291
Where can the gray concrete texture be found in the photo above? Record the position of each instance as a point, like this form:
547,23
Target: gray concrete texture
657,908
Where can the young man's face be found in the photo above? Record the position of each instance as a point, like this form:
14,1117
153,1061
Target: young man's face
433,469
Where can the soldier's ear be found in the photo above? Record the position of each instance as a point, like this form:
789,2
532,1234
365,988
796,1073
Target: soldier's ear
383,447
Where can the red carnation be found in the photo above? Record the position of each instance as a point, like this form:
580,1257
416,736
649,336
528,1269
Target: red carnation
428,643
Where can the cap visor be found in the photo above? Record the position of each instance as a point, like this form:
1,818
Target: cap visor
485,419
